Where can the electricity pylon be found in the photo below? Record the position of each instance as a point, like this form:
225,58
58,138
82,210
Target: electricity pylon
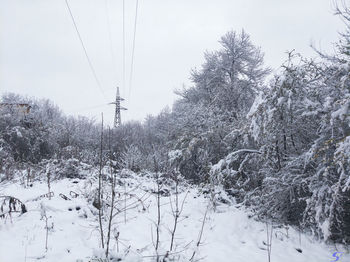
117,116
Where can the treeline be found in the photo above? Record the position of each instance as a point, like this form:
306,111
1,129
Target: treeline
280,147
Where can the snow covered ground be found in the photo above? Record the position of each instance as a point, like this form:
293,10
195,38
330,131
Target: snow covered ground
229,234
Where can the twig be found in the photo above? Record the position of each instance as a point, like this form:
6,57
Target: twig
100,187
200,233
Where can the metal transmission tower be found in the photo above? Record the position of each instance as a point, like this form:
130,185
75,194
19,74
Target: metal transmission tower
117,117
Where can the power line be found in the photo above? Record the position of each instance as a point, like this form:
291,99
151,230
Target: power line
110,35
89,107
133,49
85,51
123,46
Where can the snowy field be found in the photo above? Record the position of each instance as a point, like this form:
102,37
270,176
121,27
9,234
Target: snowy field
73,234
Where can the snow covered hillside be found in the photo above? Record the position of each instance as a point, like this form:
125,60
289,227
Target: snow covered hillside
72,230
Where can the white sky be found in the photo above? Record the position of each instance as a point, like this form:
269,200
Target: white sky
40,54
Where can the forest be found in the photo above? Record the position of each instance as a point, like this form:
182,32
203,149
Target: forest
277,143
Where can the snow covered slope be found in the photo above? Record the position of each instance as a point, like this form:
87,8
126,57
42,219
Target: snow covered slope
229,234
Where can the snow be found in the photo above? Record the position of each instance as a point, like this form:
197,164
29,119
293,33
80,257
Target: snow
224,163
229,233
281,101
18,132
342,154
257,102
342,112
174,155
325,229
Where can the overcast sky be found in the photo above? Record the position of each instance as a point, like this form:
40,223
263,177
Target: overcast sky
41,56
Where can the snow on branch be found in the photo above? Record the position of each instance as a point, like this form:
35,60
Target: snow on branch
230,158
